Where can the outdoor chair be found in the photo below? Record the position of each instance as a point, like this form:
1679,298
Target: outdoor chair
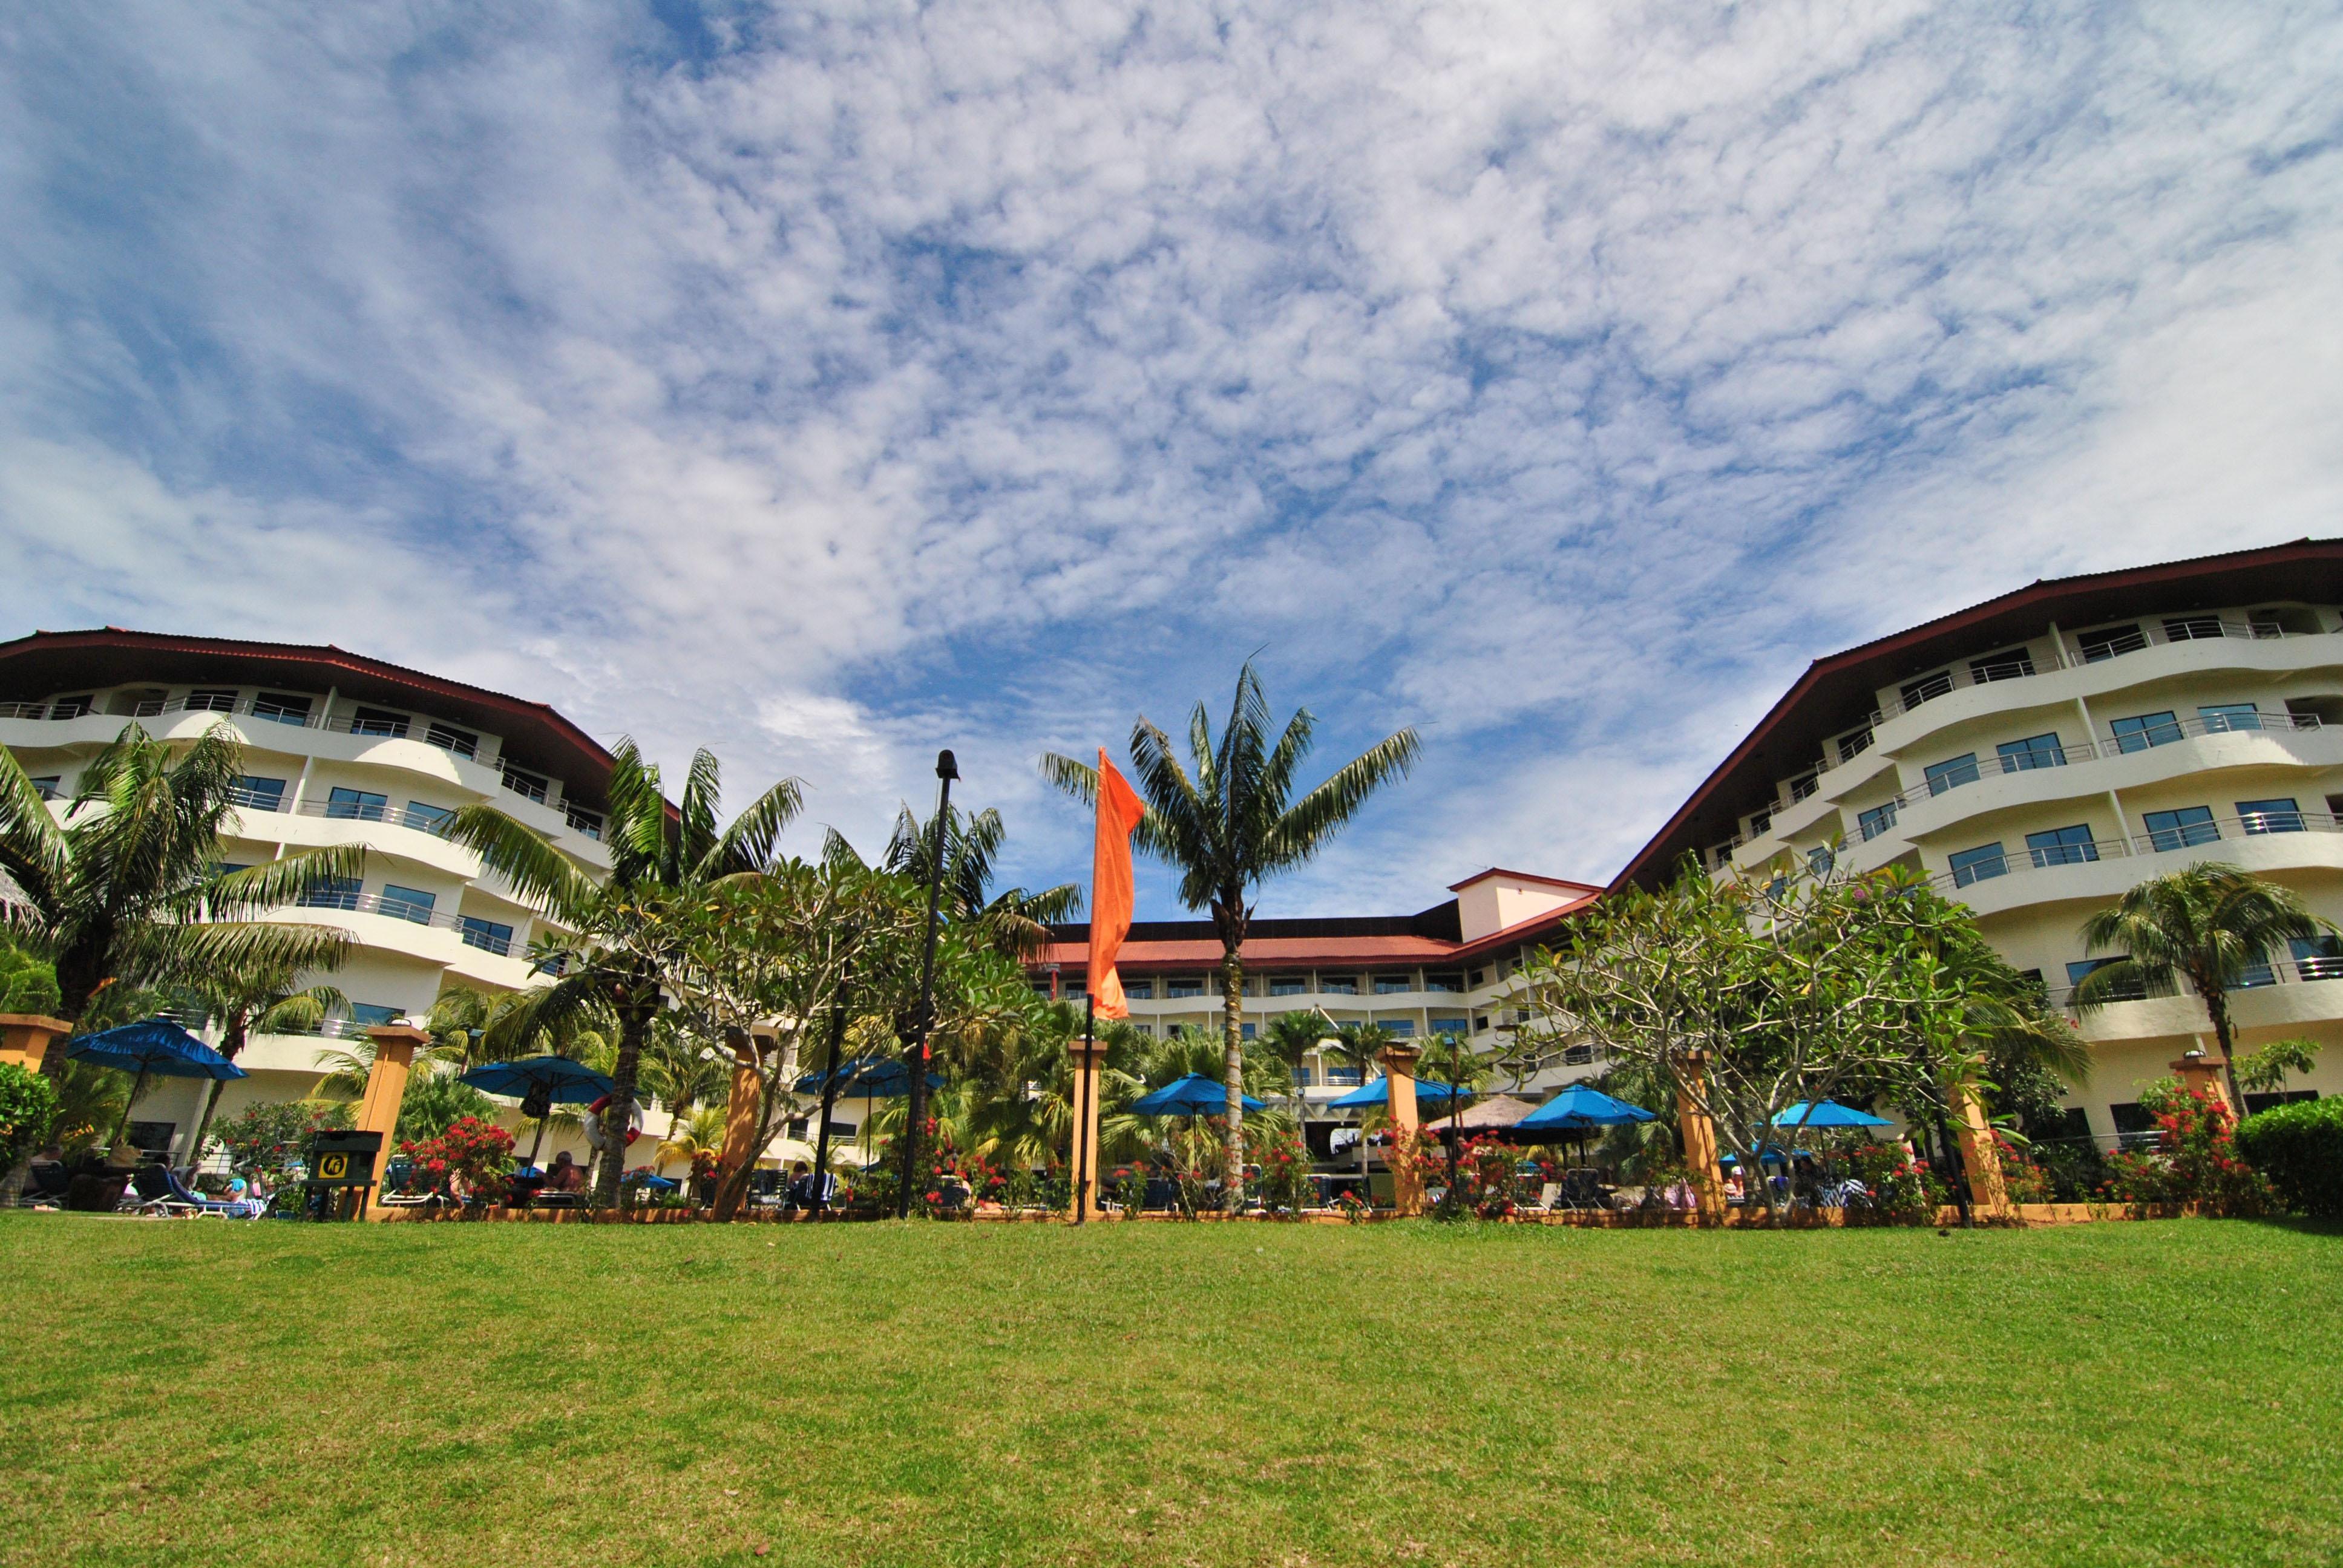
1582,1190
1549,1194
48,1183
160,1192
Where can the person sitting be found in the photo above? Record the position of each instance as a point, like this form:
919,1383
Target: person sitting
566,1175
802,1189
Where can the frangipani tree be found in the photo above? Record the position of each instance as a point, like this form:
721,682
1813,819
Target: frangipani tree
1229,822
630,930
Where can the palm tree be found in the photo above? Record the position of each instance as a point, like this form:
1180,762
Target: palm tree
130,886
1360,1046
2210,923
700,1137
1014,922
1232,826
627,926
1290,1038
260,999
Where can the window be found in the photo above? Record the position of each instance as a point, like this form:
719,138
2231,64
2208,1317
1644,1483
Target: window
1803,786
1977,865
281,708
211,699
2190,627
531,785
1453,1025
1288,985
257,794
72,706
2135,1128
2131,990
2221,716
1398,1028
333,893
1302,1077
1761,823
151,1137
2061,846
1721,857
1339,985
1140,989
488,936
1247,1030
1851,747
2180,830
1338,1076
2010,666
2259,1102
47,785
379,722
406,903
355,805
2143,731
226,867
448,738
2254,975
581,820
1877,820
1394,985
1448,982
1183,985
2279,816
1953,774
1819,859
425,819
2108,641
1927,688
367,1015
2317,958
2033,978
2033,751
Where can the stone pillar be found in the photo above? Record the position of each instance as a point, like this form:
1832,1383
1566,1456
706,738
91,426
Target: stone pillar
1699,1133
1084,1154
2202,1069
739,1125
1399,1070
394,1046
1980,1155
26,1038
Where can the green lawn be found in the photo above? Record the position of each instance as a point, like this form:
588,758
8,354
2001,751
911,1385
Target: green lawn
212,1392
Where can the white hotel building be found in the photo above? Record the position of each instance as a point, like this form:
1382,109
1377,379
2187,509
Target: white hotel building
2042,752
339,748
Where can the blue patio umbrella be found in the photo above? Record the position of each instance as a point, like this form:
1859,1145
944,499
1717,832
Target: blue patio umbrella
152,1046
1194,1095
1379,1093
867,1077
1579,1108
550,1080
1828,1114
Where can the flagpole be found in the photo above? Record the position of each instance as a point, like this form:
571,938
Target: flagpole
916,1109
1085,1096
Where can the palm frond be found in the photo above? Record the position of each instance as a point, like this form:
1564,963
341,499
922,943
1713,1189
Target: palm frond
1304,828
33,849
534,868
748,845
277,884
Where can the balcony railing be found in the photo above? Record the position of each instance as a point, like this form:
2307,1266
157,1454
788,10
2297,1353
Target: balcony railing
394,908
428,819
2156,842
462,743
2260,977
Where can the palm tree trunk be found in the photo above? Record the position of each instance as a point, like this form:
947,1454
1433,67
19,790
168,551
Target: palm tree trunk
634,1024
2217,1007
1232,1022
231,1043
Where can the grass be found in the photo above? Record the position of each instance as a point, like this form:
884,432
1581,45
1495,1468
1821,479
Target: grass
209,1393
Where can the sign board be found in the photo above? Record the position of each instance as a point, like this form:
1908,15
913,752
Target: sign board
343,1158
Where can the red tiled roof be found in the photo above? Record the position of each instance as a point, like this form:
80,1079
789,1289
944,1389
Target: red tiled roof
1261,952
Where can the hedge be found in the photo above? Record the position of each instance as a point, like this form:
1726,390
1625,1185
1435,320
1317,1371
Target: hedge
2299,1147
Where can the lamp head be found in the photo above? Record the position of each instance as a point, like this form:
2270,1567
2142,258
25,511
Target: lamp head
945,767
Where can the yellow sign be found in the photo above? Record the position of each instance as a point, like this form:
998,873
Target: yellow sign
333,1167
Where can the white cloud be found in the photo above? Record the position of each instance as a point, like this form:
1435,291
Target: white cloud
1558,378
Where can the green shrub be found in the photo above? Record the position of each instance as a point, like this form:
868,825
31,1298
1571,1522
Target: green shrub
28,1110
26,983
2300,1148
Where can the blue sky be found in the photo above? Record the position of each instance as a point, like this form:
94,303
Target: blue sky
827,383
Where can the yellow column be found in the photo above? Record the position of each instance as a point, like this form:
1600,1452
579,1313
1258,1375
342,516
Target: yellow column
26,1038
739,1125
2201,1068
1699,1134
1399,1067
394,1058
1084,1154
1980,1156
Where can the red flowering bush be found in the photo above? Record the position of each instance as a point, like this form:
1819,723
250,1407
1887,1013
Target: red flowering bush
2196,1158
1903,1190
472,1156
1285,1171
1488,1178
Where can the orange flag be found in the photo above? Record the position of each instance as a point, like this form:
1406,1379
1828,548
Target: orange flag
1118,812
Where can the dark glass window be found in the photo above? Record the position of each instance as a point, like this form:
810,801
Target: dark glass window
2033,751
2221,716
1343,986
2061,846
1394,985
1952,774
72,706
2081,969
425,819
2277,815
2317,958
211,700
1927,688
1287,985
369,1015
448,738
2191,627
1877,820
2180,830
1851,747
379,722
2107,641
406,903
531,785
1977,865
489,936
258,794
581,820
2009,666
355,805
281,708
1144,990
333,893
2143,731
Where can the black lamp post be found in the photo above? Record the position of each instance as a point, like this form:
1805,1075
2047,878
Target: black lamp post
915,1057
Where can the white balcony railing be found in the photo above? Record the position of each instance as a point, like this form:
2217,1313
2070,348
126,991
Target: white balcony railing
268,710
2195,835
